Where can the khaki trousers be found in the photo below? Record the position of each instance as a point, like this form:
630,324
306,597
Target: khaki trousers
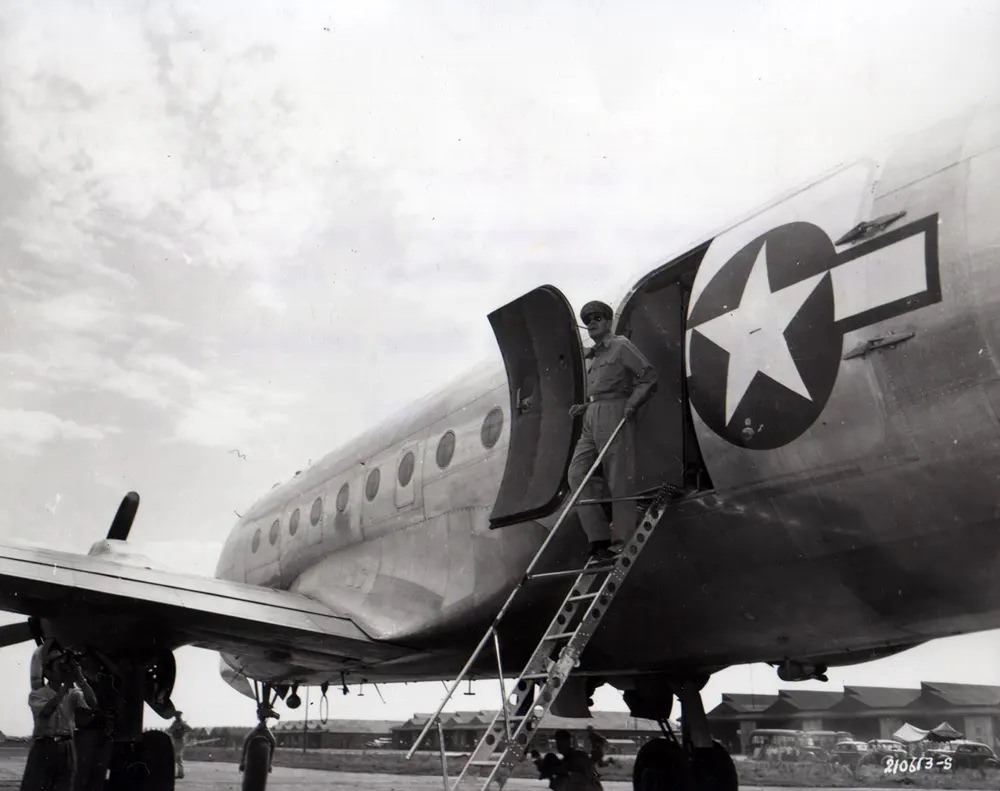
599,422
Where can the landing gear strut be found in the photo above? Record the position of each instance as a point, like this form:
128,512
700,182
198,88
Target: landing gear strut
693,762
259,744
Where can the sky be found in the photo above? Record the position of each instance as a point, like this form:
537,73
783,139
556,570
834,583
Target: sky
263,228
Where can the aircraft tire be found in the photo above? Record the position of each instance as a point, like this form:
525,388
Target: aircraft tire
661,766
147,765
257,761
714,769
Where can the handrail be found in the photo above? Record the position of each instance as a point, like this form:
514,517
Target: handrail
492,630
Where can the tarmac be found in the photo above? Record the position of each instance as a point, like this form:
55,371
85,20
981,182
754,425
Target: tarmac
201,776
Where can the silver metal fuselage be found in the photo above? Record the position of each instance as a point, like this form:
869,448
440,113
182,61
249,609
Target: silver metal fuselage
876,529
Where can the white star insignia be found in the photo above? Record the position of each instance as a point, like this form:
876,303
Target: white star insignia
754,334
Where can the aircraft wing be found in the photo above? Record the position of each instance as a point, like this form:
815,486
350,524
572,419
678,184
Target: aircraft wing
110,603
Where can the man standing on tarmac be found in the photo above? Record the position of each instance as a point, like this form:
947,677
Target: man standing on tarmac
619,381
573,772
51,761
178,731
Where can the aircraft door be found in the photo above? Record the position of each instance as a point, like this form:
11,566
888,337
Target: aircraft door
652,317
540,343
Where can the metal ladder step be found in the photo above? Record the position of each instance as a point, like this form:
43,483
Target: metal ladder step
586,571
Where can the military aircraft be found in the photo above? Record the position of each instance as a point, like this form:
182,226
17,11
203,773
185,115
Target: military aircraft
828,411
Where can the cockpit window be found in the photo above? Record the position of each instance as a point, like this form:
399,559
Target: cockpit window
293,523
275,528
317,511
342,497
255,544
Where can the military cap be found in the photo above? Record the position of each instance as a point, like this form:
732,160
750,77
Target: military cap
596,306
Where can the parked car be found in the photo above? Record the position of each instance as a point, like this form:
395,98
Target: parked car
778,744
379,743
886,746
849,753
821,744
774,744
965,755
880,749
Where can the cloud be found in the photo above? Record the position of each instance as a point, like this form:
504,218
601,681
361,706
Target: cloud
237,415
26,431
170,367
265,295
159,324
73,312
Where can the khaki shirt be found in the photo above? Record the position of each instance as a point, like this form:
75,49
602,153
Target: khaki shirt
60,721
178,730
619,370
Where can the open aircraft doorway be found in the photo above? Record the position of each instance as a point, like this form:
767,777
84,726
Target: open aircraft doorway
653,317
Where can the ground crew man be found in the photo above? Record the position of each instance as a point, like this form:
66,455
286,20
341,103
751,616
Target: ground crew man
178,731
51,763
598,746
574,771
94,737
37,662
619,381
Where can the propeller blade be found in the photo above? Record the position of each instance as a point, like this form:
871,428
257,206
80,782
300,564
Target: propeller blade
15,633
122,523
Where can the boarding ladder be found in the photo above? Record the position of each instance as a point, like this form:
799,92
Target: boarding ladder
558,652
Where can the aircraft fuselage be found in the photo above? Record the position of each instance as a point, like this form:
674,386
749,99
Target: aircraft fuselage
838,399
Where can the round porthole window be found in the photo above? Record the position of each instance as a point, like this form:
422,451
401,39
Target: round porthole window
317,511
342,497
273,535
446,449
492,426
406,468
255,544
293,523
371,485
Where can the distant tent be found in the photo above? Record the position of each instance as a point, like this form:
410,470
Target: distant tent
943,733
910,733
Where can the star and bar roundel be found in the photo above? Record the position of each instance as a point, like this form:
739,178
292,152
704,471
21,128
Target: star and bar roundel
765,335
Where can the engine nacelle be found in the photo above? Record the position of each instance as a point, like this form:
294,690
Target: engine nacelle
122,552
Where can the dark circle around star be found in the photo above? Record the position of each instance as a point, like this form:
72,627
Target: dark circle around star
770,415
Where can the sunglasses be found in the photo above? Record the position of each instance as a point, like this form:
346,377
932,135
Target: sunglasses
593,317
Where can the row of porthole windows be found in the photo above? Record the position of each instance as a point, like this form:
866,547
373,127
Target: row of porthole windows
489,434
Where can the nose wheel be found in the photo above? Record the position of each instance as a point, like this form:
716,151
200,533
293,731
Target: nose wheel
259,744
693,762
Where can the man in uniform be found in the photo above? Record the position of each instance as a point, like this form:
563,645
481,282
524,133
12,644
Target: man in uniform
51,764
619,381
598,746
178,731
574,771
94,738
38,661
